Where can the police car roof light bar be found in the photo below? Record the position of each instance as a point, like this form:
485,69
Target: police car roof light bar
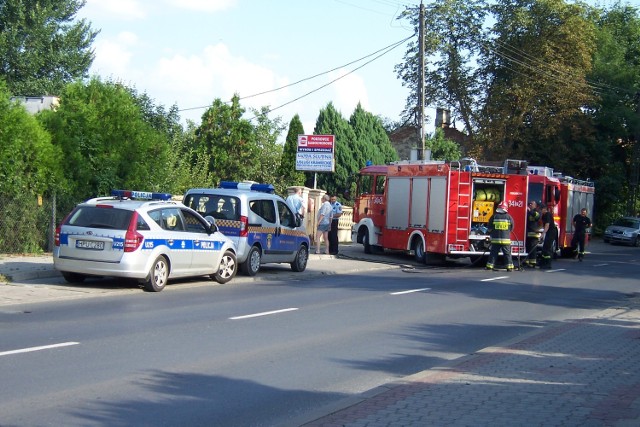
264,188
130,194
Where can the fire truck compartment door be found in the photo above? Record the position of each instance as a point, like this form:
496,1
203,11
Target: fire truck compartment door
437,205
397,206
419,195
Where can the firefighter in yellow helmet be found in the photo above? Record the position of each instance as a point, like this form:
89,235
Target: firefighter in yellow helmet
500,226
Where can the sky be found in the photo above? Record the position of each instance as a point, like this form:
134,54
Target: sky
191,52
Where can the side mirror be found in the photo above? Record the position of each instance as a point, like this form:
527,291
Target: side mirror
299,220
212,223
557,195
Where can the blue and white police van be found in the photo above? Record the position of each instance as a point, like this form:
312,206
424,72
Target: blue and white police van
260,223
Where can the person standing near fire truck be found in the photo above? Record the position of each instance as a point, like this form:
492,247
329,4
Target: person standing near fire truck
533,233
550,233
580,224
500,226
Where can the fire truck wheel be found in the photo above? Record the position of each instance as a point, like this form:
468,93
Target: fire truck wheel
365,243
418,251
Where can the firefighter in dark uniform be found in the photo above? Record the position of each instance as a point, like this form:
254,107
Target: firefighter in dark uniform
550,233
533,233
500,226
580,224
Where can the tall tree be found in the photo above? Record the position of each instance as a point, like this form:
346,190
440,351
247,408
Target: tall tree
331,122
41,47
372,141
229,140
29,162
536,68
616,75
30,165
267,132
453,40
105,140
288,170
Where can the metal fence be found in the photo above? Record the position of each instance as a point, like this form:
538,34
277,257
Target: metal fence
28,222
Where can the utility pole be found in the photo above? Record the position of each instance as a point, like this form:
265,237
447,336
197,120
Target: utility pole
421,81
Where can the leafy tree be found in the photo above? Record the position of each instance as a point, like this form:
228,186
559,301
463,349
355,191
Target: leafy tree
288,172
29,167
616,75
229,141
29,162
267,164
453,39
187,167
41,48
442,148
105,140
536,67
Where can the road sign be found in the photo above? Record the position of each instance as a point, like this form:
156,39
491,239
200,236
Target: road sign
316,153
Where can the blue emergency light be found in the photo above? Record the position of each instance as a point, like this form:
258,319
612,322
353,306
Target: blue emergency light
264,188
129,194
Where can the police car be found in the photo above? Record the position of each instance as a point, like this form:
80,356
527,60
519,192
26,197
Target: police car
260,223
143,236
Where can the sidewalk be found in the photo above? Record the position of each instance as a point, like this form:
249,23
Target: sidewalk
584,372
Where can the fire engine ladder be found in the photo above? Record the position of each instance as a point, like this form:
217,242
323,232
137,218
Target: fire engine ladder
463,210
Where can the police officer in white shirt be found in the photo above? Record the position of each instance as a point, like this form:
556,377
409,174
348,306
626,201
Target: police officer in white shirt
336,207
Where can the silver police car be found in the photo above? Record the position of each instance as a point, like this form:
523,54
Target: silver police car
143,236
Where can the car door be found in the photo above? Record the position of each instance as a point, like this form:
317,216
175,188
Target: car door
205,248
286,236
177,240
263,223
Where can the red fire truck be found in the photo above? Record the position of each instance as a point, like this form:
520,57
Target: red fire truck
565,196
435,207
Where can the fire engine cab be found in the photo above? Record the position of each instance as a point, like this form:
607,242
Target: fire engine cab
565,197
436,207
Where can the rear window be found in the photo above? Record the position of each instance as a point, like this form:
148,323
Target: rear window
98,217
217,206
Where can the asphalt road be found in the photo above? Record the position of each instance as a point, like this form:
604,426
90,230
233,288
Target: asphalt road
267,353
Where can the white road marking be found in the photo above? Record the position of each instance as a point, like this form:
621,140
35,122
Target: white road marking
410,291
266,313
600,265
43,347
555,271
494,278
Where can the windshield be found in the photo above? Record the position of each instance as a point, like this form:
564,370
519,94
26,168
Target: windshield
625,222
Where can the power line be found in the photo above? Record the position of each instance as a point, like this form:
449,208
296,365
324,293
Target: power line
384,51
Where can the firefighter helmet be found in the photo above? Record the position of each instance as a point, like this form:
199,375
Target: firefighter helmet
503,206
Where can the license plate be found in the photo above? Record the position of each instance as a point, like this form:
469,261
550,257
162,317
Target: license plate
89,244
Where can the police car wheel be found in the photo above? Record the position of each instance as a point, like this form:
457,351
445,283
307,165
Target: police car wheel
300,263
73,277
158,275
251,266
227,268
